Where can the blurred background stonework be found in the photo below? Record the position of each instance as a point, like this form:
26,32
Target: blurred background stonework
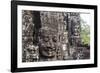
51,36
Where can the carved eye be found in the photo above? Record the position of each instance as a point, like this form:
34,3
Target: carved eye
27,18
55,39
46,38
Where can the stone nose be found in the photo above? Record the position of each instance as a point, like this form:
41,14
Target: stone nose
50,44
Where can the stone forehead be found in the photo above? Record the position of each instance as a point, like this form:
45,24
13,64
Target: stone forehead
48,31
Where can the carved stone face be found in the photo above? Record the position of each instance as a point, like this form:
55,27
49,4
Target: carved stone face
48,44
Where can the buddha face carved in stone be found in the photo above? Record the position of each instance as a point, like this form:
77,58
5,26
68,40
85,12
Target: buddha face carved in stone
48,43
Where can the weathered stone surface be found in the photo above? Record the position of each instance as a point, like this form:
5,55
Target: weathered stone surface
49,36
